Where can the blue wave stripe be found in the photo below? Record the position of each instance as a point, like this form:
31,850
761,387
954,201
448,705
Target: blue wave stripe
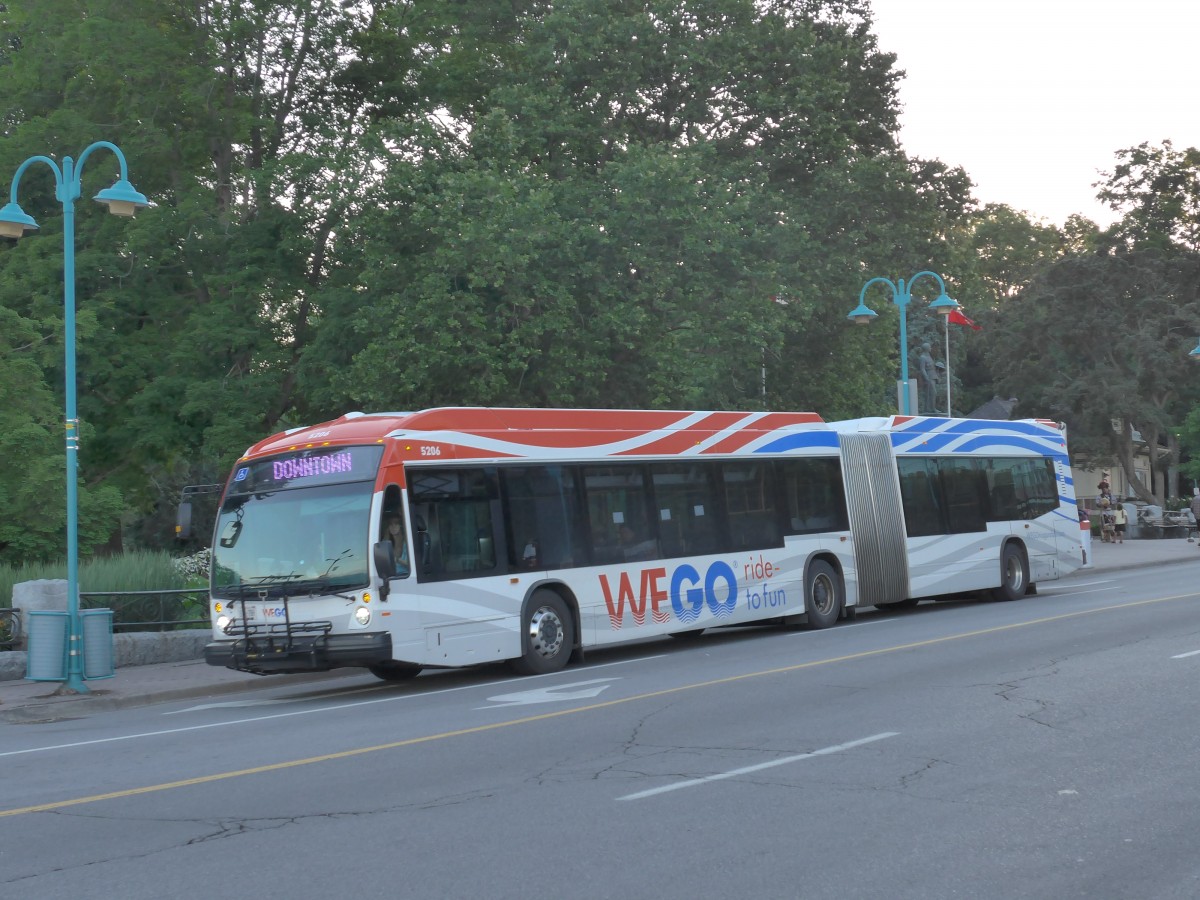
937,440
1040,444
819,439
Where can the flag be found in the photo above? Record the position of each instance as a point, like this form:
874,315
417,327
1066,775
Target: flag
956,316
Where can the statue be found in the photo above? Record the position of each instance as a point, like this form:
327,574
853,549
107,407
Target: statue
927,380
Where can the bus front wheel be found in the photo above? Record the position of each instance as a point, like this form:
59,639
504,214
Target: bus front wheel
1014,574
823,598
546,635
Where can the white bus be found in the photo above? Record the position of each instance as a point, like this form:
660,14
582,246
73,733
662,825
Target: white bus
457,536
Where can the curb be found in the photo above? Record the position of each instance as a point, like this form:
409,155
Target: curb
135,648
74,706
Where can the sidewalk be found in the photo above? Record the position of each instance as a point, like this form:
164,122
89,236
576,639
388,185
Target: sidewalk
33,701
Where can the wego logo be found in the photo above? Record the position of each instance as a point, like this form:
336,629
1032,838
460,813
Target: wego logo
687,591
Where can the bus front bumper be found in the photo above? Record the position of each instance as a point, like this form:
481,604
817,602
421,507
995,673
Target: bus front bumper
280,654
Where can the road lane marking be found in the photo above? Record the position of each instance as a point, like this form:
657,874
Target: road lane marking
1186,655
526,720
734,773
300,712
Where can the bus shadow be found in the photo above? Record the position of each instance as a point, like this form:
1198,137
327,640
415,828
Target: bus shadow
432,680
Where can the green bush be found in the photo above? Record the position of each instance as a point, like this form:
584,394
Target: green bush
141,571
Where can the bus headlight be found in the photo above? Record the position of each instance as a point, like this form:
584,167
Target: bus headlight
223,622
362,615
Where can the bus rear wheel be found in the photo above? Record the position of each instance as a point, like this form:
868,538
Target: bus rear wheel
823,599
546,635
1014,574
394,671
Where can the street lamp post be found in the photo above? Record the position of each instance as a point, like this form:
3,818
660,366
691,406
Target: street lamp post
902,296
122,200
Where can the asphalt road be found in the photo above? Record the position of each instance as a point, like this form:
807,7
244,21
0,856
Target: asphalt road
1034,749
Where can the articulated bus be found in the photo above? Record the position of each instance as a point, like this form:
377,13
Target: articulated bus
459,536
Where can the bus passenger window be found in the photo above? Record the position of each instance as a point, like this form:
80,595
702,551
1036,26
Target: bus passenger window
455,516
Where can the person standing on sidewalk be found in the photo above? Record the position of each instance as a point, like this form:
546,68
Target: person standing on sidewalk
1119,520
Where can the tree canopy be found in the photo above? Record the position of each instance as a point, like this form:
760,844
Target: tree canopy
407,203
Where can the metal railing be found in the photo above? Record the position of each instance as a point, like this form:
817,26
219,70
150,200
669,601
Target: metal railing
151,610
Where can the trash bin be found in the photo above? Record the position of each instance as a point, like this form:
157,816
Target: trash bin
97,643
47,646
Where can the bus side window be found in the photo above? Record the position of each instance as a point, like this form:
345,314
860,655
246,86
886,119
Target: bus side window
813,494
618,514
455,520
750,505
542,514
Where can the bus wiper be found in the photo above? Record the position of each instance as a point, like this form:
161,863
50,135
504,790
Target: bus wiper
267,585
289,585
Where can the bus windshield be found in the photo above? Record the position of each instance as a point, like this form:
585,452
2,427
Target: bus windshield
303,540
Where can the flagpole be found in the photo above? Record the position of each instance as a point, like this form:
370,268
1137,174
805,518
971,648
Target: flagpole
948,412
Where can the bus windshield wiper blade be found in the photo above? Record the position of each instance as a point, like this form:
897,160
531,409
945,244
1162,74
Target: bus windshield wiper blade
267,585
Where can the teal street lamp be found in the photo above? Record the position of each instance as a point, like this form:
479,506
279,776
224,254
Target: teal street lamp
902,296
122,200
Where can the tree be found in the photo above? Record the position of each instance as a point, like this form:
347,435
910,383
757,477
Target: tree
410,202
998,254
1126,379
604,227
1157,191
193,320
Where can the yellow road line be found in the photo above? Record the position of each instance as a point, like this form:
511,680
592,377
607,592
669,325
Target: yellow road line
479,729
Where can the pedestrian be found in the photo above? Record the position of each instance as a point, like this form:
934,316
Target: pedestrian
1196,510
1119,520
1085,529
1108,520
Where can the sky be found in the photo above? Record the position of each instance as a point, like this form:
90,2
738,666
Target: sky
1033,98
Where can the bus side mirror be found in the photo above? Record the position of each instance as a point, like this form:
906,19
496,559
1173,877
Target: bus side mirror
183,521
385,565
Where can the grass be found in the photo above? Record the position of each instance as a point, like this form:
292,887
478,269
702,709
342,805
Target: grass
138,571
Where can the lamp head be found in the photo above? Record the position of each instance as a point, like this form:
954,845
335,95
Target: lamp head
14,221
944,305
122,199
862,314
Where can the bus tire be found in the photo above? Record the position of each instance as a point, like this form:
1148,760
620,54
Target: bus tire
546,635
823,596
1014,573
394,670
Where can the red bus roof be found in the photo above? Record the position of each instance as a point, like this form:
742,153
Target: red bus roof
475,432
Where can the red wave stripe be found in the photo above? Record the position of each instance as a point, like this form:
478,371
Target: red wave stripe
769,422
677,442
558,428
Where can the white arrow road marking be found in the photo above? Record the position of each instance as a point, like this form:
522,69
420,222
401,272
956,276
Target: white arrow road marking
551,694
